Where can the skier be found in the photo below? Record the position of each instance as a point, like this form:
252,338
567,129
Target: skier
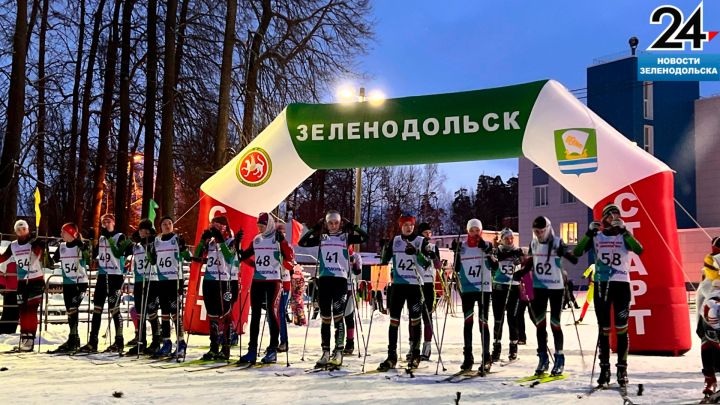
350,307
168,251
409,253
145,289
708,323
333,237
545,262
273,256
474,270
110,254
429,277
217,293
27,251
74,255
612,244
505,294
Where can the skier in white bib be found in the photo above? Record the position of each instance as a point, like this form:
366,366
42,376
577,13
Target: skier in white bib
611,243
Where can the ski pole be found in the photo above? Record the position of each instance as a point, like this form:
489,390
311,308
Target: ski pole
357,317
307,329
422,303
372,312
577,333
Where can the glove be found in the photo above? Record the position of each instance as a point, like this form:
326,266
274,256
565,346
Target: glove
619,223
217,235
593,229
410,249
206,235
279,236
318,226
239,234
348,227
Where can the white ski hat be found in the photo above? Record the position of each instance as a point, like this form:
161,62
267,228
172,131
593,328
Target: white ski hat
474,223
21,223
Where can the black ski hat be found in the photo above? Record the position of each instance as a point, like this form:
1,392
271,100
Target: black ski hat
146,224
424,226
540,223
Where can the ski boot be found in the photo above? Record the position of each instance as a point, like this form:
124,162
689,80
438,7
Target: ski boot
133,341
710,382
543,362
154,345
497,347
486,364
139,348
513,351
336,360
622,376
213,353
282,347
468,360
224,353
414,361
65,347
117,346
248,358
180,351
164,351
91,346
409,354
604,377
27,343
234,338
559,366
270,356
324,359
426,351
389,363
349,347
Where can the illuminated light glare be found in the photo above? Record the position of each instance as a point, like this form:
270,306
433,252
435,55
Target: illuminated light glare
346,94
376,98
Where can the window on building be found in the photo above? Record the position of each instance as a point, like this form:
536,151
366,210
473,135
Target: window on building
539,177
568,232
649,139
566,197
541,195
648,100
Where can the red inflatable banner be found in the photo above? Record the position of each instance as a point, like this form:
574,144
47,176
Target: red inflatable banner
195,317
659,319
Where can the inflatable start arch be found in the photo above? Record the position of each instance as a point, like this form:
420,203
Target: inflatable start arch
540,120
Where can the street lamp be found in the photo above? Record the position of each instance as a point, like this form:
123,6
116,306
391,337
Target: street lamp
346,94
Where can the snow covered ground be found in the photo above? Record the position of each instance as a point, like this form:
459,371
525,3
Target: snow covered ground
41,378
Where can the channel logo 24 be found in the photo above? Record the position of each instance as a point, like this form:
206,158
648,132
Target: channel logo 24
680,31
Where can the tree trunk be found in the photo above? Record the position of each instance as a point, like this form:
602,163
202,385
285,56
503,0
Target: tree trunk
31,24
42,115
181,38
15,113
105,121
124,132
85,122
164,190
72,159
251,80
225,84
150,100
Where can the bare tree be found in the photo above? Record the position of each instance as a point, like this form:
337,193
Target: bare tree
165,186
150,100
15,113
72,158
42,115
83,158
225,83
124,132
105,119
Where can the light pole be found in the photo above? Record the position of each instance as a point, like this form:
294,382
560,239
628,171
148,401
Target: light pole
346,94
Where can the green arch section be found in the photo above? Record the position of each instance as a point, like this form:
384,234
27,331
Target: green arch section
472,125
